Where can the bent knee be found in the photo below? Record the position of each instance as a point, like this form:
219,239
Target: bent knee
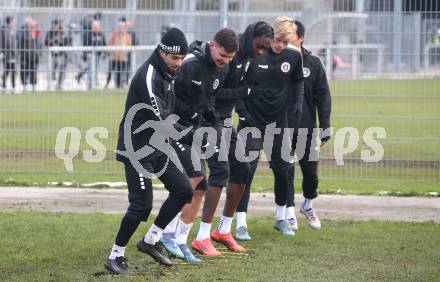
196,181
139,210
202,184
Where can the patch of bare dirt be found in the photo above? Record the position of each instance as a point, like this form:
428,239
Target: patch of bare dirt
83,200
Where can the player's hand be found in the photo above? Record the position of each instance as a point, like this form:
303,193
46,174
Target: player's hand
246,120
324,140
296,113
195,117
188,138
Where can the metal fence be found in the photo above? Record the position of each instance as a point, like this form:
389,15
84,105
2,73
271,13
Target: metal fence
382,59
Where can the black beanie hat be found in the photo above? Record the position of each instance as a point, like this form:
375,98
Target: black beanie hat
174,42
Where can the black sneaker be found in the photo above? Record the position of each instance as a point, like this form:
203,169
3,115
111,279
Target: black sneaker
118,265
154,251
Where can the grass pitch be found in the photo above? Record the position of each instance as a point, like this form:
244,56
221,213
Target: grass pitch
73,247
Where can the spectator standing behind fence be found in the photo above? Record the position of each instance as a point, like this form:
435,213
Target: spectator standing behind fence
8,48
57,36
134,42
86,24
94,38
119,59
29,47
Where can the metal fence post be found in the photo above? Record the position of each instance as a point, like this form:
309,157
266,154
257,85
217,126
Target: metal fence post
397,35
133,63
49,70
355,63
223,13
93,70
417,41
380,60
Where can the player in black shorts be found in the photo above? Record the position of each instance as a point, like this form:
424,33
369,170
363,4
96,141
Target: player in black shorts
279,71
144,151
256,38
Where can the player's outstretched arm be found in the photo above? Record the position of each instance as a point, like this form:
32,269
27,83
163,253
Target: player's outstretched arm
242,92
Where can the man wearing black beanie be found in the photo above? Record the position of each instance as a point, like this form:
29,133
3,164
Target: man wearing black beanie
202,75
151,95
174,42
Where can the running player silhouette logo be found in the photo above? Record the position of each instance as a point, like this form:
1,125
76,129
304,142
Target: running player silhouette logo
163,131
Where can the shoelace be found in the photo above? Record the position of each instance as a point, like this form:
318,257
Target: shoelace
292,220
167,240
310,212
285,225
229,240
208,248
187,253
242,229
184,249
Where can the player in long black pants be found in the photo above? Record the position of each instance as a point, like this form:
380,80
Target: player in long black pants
150,102
317,102
279,167
202,74
279,71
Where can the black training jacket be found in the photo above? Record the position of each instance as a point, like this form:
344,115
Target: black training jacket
153,85
226,97
197,81
316,94
281,75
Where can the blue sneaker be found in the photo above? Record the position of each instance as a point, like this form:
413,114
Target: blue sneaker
283,227
168,241
241,234
188,255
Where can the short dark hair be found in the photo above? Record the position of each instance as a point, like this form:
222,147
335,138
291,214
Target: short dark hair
9,19
263,29
300,29
97,16
227,39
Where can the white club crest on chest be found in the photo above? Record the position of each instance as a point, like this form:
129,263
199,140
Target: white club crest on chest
215,84
285,67
306,72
